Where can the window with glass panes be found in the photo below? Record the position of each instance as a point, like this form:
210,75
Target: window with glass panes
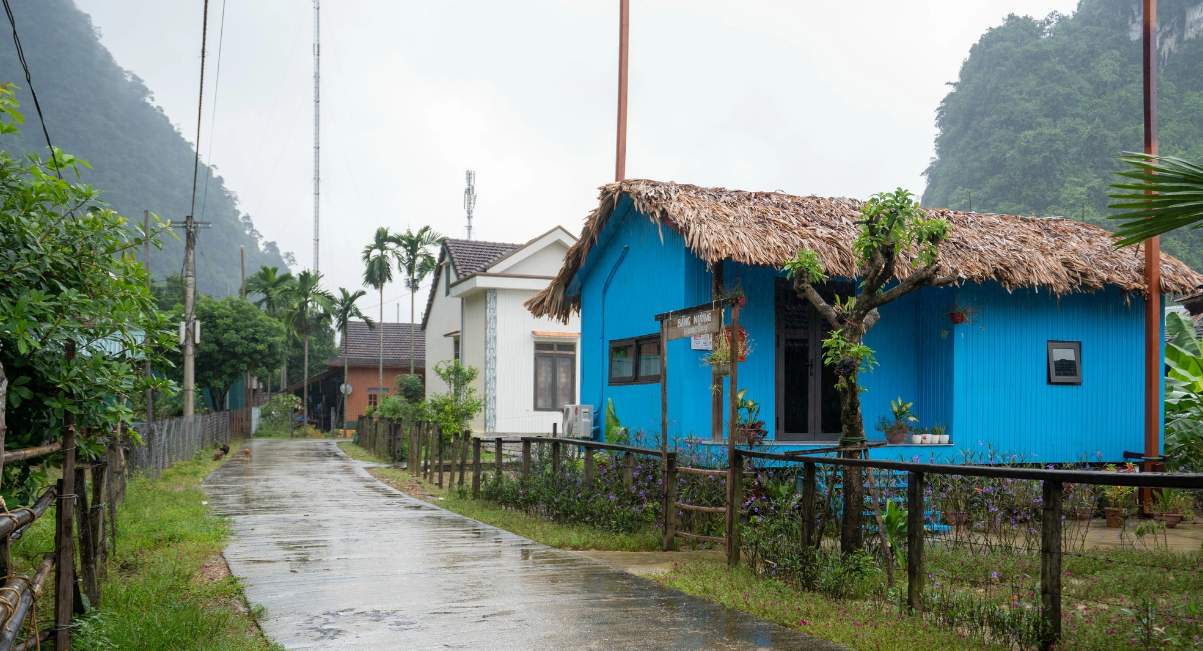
555,375
635,361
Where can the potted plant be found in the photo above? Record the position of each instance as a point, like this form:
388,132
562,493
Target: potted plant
1118,499
751,429
940,432
1172,505
896,431
737,292
960,313
720,356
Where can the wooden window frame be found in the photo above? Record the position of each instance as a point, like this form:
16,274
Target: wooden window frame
1053,379
635,343
553,353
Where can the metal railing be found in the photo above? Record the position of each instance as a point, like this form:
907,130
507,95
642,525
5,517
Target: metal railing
166,442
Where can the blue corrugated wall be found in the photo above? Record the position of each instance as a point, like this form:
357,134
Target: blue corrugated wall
986,379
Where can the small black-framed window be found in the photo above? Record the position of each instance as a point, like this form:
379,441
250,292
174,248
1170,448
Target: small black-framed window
635,361
555,375
455,350
1064,362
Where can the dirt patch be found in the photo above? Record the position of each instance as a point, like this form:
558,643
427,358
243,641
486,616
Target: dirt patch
214,568
407,485
646,563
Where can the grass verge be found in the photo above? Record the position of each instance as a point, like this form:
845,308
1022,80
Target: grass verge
167,587
552,534
860,625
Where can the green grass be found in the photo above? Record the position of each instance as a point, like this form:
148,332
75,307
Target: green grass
154,596
860,625
552,534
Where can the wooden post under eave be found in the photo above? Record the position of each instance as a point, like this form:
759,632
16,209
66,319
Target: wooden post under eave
1152,250
1050,562
64,542
915,575
664,389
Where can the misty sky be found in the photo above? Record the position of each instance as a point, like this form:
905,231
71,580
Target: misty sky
835,99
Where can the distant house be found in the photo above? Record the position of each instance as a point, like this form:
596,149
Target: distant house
363,351
1039,349
529,366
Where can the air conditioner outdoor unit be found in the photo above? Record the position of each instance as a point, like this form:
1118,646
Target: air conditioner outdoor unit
578,421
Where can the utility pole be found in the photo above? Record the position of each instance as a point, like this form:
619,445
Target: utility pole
248,392
150,393
624,28
469,202
317,128
1153,311
190,328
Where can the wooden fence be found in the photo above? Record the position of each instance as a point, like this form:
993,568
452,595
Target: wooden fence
166,442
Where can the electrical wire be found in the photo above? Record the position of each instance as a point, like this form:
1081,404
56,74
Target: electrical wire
29,80
199,105
213,114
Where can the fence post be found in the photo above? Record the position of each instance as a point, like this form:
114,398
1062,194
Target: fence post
628,469
808,504
555,456
588,467
454,456
497,456
526,458
670,500
1050,562
735,498
438,438
64,543
915,574
465,437
427,441
475,468
87,544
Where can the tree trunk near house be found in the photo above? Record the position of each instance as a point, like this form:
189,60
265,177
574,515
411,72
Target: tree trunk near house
346,366
852,429
305,389
411,325
380,379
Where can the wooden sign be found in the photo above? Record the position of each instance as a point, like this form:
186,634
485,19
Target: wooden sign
697,323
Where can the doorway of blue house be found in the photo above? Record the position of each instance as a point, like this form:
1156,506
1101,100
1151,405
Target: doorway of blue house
808,405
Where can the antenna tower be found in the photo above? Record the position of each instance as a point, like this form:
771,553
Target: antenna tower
470,197
317,127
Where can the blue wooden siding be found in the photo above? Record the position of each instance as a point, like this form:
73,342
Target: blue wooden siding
985,380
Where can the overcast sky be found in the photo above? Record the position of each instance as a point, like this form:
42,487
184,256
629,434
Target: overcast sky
835,99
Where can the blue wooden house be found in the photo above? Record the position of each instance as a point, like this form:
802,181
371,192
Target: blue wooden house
1036,351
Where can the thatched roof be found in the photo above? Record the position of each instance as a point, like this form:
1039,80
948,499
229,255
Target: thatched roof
765,228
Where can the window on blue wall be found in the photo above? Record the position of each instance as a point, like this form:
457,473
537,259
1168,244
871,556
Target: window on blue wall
635,361
1064,362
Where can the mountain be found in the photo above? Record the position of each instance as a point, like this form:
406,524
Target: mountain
103,114
1043,108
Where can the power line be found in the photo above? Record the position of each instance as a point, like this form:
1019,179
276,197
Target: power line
213,115
29,80
199,105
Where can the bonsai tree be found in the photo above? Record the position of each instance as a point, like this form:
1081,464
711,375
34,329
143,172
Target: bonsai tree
894,232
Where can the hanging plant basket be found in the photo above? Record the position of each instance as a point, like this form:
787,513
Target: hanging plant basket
721,369
957,318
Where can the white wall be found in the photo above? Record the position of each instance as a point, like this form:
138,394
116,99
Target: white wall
544,262
472,346
516,363
444,318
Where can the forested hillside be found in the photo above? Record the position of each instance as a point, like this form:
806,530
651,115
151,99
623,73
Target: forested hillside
99,112
1042,109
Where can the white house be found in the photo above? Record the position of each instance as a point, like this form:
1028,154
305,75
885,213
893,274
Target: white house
529,367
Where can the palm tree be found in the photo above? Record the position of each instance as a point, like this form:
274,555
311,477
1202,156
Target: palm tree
343,310
415,261
272,288
378,272
1176,200
310,308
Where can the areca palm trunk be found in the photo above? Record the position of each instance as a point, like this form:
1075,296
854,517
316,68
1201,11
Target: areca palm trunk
411,324
305,392
380,380
346,367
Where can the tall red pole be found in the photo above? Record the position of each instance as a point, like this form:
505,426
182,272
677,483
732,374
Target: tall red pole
1153,315
624,22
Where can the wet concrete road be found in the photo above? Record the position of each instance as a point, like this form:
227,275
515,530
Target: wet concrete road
342,561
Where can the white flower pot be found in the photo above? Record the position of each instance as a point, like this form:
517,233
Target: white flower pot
926,439
943,439
916,439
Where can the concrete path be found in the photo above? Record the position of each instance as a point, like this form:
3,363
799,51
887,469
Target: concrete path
342,561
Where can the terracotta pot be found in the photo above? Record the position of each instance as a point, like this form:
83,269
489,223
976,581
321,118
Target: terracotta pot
957,317
1084,514
1115,517
743,302
896,435
1171,519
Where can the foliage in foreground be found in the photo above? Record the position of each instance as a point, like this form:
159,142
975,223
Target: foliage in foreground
155,595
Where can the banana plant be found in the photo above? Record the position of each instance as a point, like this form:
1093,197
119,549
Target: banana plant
1183,394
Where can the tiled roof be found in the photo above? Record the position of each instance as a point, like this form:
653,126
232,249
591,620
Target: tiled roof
471,256
363,345
467,257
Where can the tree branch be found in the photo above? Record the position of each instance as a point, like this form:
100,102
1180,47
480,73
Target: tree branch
807,290
925,277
